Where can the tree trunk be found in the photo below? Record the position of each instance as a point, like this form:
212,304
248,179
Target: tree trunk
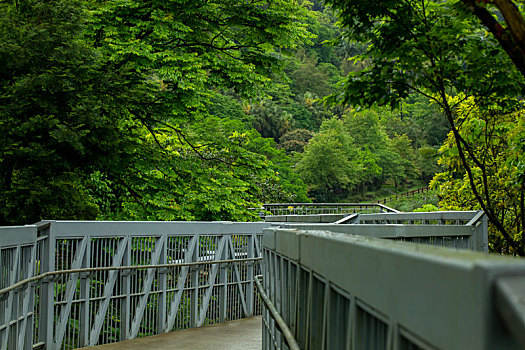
512,38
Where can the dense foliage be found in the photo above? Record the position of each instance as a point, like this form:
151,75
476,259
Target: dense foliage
440,50
146,110
104,108
354,156
199,110
495,138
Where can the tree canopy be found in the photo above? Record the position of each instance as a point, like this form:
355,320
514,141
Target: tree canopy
104,105
441,51
496,139
199,110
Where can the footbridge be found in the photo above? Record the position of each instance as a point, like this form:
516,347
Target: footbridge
372,278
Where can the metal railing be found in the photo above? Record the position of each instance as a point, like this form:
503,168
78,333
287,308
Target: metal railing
341,291
289,339
453,229
423,218
404,194
18,260
89,283
325,208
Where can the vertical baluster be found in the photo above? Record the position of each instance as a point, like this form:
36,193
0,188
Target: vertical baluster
223,289
194,293
162,285
46,312
84,297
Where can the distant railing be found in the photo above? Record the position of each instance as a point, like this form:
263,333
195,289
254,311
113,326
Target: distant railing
424,218
404,194
453,229
103,282
340,291
324,208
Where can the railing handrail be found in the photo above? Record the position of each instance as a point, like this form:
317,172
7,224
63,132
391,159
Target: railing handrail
117,268
387,230
73,246
509,291
467,230
401,289
67,228
331,204
17,235
431,215
290,339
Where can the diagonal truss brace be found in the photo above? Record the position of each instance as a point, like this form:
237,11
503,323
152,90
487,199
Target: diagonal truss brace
139,311
26,300
211,280
181,281
237,277
108,291
71,288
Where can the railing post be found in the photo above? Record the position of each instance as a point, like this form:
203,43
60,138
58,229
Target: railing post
267,329
223,289
162,296
223,271
484,228
482,235
250,274
125,309
46,314
85,284
194,293
8,310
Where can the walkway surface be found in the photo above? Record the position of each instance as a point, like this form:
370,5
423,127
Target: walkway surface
243,334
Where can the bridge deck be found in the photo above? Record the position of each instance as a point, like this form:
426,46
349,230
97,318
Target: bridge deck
243,334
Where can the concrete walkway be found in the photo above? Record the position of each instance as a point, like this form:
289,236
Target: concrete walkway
243,334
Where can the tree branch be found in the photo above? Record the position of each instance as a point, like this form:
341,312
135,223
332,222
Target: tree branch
513,43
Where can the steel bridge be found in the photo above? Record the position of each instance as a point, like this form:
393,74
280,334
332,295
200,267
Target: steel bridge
372,279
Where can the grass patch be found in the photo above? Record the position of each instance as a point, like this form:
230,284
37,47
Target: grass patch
414,202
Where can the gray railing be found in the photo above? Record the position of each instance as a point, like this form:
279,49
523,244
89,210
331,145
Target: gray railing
87,283
341,291
103,282
19,248
464,230
325,208
425,218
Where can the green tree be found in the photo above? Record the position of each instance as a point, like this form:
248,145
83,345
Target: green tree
307,77
496,139
103,106
427,162
406,157
55,122
419,119
323,25
295,140
271,120
387,160
225,104
216,170
330,164
504,19
434,48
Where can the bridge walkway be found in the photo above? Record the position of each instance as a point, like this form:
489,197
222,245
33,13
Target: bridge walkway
245,334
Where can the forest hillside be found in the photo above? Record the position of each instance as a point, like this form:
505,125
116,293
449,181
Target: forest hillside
201,110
